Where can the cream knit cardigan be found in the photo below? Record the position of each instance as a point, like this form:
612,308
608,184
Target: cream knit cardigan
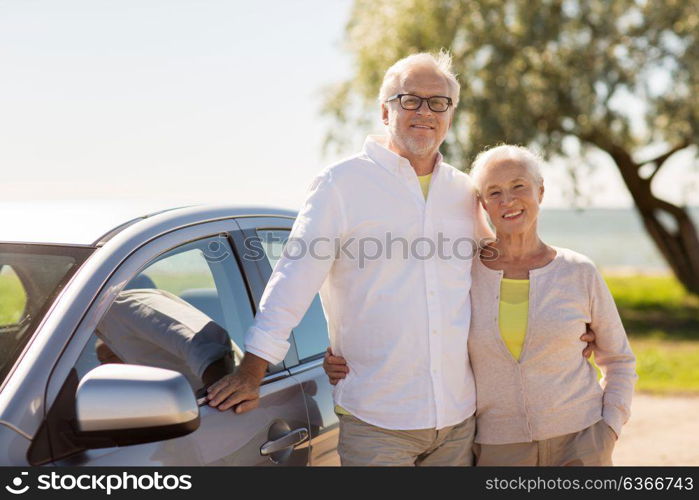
552,390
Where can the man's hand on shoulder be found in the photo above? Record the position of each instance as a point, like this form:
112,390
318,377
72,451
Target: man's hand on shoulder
589,337
239,390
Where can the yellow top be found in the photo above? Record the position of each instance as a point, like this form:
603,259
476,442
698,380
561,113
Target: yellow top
514,309
341,411
424,183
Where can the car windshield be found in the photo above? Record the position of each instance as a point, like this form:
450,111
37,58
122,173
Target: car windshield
31,277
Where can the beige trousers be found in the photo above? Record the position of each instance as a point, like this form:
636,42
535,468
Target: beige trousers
590,446
363,444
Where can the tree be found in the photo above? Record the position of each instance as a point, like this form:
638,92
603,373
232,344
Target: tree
568,76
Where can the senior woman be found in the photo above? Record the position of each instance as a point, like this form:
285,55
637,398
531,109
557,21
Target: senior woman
539,401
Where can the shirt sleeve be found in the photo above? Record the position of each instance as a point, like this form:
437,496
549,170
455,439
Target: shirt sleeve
481,226
482,230
305,263
613,355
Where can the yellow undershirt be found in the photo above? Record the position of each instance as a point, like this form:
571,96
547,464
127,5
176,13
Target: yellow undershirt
424,183
425,186
514,309
341,411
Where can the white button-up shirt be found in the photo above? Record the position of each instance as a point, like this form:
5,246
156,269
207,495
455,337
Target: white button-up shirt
394,275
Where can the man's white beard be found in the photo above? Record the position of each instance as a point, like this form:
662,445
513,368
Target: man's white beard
419,147
414,145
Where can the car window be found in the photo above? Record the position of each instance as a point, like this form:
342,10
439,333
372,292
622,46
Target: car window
186,311
178,272
31,277
205,274
311,334
13,297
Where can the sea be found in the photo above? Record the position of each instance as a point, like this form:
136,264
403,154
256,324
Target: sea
613,238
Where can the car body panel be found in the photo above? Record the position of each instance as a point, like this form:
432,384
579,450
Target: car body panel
324,424
13,446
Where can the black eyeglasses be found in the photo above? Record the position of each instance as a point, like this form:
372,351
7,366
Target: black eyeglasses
410,102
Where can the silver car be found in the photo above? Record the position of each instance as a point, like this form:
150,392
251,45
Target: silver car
109,339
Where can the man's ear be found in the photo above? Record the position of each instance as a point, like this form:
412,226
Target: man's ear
541,192
384,113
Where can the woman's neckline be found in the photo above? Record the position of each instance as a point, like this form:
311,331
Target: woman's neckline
533,271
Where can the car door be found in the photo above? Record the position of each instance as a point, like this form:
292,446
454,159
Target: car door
309,338
195,273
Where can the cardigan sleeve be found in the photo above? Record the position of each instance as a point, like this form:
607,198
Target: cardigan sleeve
613,355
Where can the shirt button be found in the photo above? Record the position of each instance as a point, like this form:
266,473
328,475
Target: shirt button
434,332
431,292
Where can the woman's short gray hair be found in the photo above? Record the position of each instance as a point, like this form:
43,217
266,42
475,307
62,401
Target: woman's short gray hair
440,62
525,156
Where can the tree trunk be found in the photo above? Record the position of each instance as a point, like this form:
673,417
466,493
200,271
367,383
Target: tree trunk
679,245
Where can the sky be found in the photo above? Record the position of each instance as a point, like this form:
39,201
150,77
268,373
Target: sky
200,101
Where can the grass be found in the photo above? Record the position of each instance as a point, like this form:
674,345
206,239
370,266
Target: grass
12,299
662,322
667,367
656,307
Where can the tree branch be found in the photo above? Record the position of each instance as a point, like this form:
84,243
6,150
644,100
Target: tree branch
621,157
677,212
660,160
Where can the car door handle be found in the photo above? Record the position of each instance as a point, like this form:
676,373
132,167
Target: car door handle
297,436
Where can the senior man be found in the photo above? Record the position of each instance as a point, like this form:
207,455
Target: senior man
399,316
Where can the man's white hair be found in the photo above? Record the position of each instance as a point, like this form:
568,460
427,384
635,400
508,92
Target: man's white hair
520,154
441,62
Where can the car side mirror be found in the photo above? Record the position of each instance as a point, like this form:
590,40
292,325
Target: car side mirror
121,404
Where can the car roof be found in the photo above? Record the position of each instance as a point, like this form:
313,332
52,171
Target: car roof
88,223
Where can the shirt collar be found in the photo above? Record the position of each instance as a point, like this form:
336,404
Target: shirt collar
375,148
